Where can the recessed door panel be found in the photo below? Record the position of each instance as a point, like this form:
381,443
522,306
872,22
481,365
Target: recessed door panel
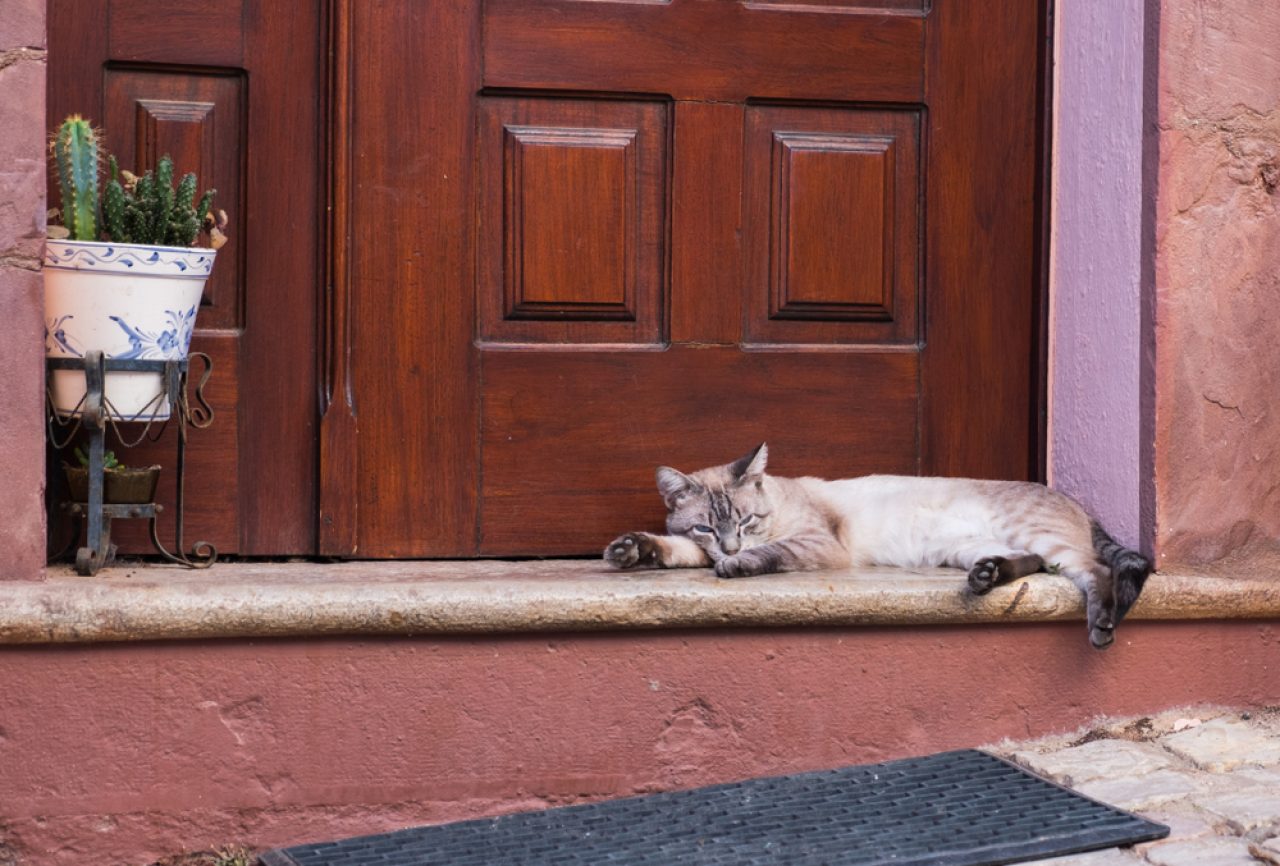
572,235
833,225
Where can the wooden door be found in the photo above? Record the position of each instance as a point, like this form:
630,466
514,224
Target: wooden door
589,238
232,90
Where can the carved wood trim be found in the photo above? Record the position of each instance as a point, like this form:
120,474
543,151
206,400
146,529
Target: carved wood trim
339,431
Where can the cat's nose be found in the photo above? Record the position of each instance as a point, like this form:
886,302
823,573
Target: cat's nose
729,545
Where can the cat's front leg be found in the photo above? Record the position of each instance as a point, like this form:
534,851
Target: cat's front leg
753,561
645,550
796,553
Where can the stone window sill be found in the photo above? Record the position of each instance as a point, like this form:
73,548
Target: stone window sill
242,600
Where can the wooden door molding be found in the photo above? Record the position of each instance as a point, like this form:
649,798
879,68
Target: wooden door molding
412,239
974,278
339,432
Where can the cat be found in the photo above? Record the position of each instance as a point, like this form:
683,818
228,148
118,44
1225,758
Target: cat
744,522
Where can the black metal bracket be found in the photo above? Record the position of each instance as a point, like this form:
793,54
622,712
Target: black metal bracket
95,415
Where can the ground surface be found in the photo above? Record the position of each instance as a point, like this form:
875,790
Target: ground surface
1211,774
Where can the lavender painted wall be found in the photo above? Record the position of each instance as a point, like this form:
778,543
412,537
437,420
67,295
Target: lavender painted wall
22,206
1096,383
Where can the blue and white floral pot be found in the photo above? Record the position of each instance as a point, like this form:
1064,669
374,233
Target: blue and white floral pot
130,301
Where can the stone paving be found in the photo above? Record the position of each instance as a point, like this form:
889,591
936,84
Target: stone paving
1211,775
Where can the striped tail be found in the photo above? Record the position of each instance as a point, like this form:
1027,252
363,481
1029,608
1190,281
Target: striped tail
1129,569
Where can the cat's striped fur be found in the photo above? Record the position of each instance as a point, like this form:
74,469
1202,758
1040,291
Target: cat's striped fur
745,522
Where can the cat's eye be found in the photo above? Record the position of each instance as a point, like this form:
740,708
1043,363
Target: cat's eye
702,527
747,521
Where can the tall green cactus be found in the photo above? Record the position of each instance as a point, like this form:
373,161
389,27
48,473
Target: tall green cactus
148,210
77,156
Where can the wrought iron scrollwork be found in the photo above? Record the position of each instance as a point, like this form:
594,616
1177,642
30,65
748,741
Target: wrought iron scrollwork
95,416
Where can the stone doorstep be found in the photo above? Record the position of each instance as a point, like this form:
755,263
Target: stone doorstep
253,599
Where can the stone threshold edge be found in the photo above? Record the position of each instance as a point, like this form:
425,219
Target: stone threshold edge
257,600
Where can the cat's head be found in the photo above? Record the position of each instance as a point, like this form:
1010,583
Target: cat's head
724,509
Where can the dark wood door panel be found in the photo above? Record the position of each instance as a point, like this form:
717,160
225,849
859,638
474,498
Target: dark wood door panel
980,242
570,441
198,118
833,225
412,247
707,266
212,511
572,230
186,32
179,82
723,51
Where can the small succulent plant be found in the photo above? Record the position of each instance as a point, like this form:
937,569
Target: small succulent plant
149,210
128,209
109,460
77,156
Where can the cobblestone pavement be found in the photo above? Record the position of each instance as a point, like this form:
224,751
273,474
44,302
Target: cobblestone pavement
1211,775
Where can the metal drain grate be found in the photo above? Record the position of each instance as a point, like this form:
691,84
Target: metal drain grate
964,808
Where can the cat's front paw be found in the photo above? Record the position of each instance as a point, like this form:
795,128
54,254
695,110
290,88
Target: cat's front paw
631,550
732,566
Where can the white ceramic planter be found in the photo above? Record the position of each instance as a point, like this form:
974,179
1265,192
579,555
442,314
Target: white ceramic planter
130,301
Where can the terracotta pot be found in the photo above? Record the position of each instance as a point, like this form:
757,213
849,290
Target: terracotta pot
120,486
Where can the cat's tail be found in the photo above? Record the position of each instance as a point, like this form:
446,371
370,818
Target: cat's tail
1129,569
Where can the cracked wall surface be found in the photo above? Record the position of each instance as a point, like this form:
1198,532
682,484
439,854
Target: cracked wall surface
22,222
1217,318
201,744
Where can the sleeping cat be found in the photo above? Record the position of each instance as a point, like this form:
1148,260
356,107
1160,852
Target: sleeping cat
744,522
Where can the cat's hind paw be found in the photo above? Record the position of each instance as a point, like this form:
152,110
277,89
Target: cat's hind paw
1102,638
991,570
1102,631
632,550
985,574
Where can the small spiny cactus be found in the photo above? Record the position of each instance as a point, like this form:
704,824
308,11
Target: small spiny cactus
77,155
148,210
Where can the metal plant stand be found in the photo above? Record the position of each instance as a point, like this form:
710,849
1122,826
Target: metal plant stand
95,415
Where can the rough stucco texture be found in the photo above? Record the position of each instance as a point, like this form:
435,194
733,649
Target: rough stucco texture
1218,282
126,753
1095,416
22,207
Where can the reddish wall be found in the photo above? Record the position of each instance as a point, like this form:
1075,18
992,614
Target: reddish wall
1218,282
22,207
123,753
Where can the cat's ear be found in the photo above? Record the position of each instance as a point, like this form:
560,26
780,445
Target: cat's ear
674,485
750,467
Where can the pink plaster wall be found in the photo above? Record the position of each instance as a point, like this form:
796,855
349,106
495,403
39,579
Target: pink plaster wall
1096,425
124,753
1218,282
22,208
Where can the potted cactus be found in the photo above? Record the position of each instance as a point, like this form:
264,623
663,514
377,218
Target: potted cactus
122,273
121,485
